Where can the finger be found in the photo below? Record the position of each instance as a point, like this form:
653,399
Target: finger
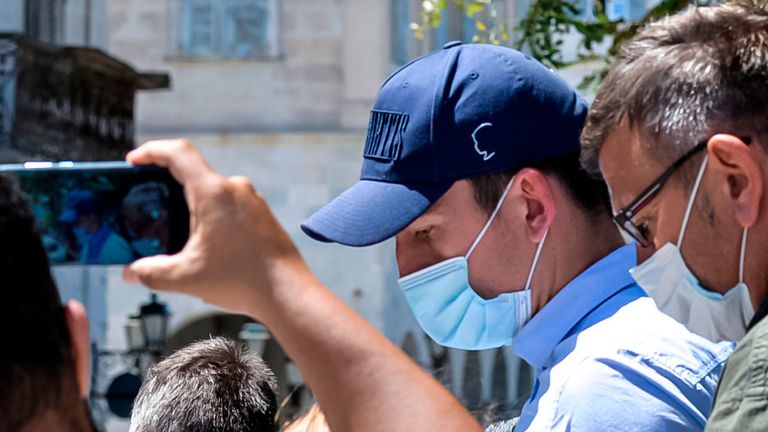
77,323
161,272
184,161
129,276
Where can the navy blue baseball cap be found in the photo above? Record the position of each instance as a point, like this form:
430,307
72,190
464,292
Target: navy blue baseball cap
458,113
79,202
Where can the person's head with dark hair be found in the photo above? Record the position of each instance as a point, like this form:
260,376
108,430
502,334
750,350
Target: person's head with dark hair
83,210
585,191
214,385
679,130
44,359
145,216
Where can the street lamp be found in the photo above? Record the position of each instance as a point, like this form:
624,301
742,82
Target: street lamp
134,335
146,335
153,318
255,336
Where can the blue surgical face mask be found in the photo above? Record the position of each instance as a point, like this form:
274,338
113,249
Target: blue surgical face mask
147,247
665,276
454,315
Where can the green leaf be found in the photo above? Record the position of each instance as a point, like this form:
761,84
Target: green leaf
474,9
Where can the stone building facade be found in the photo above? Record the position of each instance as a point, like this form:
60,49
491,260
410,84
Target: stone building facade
278,91
292,118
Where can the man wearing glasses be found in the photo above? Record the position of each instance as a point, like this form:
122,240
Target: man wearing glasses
679,130
472,163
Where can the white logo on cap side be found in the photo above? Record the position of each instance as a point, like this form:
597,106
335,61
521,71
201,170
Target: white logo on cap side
482,153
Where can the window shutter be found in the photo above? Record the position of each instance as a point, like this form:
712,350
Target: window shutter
628,10
198,28
637,10
246,28
586,9
401,27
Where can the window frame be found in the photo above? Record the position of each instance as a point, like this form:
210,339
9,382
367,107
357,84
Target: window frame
224,45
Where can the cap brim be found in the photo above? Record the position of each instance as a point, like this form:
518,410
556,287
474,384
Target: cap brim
370,212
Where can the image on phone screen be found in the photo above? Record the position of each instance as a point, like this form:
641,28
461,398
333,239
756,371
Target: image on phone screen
105,215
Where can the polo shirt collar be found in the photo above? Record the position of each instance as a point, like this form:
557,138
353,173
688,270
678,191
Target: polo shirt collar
575,301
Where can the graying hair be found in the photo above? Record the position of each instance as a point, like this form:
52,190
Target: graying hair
214,385
683,78
503,426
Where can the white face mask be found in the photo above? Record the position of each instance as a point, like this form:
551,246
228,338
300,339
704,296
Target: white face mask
679,293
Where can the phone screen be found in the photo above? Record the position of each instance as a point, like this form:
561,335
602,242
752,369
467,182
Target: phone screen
104,213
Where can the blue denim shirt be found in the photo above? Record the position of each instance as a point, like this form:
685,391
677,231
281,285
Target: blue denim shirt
606,359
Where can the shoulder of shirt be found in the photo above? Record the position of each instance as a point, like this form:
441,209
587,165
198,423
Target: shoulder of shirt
117,240
746,369
641,336
755,339
587,400
758,333
740,402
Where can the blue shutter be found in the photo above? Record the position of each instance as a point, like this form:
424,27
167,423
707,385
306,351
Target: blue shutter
245,28
198,32
440,34
401,31
7,91
586,9
468,28
628,10
637,10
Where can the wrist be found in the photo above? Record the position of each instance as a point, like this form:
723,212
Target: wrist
288,281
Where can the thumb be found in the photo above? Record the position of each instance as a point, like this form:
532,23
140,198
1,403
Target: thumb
161,272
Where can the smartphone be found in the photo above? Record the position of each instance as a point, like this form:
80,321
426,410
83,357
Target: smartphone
103,213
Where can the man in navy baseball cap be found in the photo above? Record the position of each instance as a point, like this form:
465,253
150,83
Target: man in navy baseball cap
472,161
462,112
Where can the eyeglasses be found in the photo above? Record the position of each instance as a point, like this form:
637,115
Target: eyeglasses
623,217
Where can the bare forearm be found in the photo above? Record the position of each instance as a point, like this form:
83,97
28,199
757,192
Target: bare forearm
362,381
239,257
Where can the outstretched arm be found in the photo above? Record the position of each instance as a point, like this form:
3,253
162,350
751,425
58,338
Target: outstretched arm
240,258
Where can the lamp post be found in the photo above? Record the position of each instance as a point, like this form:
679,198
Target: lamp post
133,334
153,317
146,335
255,336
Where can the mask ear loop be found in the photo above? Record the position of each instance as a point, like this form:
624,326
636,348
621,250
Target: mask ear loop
743,254
490,219
536,260
688,210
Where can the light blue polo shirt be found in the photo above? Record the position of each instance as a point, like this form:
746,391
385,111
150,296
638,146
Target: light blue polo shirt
606,359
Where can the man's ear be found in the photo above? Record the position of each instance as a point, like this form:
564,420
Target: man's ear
735,160
77,322
540,202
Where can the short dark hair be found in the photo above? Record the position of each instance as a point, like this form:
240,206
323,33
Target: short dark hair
214,385
683,78
37,373
589,193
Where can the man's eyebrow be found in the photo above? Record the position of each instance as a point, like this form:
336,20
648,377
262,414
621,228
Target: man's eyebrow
422,228
428,221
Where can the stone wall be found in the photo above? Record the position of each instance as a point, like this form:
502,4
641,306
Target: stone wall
332,60
298,173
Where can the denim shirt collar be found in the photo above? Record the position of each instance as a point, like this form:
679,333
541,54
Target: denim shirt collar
575,302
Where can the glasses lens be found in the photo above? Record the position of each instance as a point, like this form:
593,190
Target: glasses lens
629,227
632,229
